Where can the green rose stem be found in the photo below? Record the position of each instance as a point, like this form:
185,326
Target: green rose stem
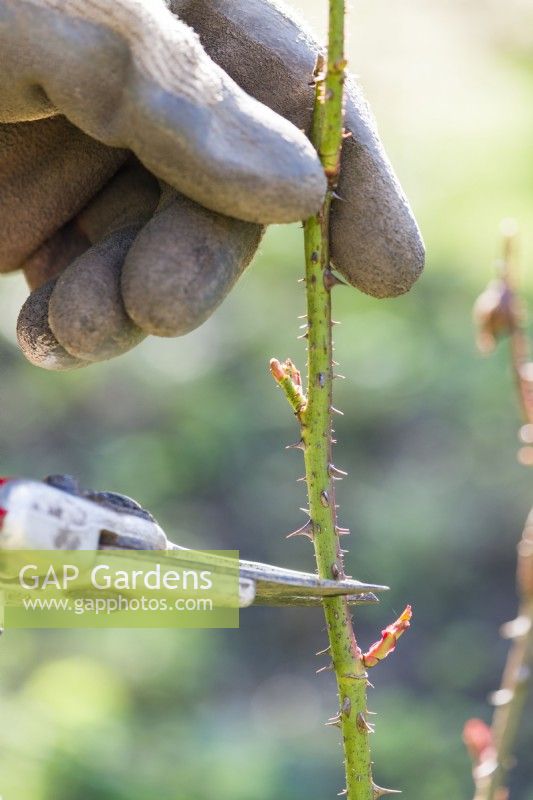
313,411
316,426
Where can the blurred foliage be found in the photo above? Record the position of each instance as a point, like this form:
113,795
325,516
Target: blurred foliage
195,430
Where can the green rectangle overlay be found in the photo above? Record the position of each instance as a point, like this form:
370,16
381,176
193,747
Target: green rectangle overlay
119,589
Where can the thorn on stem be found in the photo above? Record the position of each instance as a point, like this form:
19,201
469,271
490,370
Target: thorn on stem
379,791
519,627
296,446
334,471
342,531
362,725
501,697
367,597
331,280
324,651
306,530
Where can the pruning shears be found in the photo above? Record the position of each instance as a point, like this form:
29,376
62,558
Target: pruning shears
57,514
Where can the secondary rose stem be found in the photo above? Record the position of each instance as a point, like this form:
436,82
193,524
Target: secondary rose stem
505,315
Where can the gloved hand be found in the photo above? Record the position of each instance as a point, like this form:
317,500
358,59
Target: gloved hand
124,148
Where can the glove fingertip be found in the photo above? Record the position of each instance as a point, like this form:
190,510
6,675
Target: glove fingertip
86,312
381,263
375,241
182,266
35,336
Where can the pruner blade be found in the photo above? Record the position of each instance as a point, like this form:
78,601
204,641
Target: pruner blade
264,584
277,586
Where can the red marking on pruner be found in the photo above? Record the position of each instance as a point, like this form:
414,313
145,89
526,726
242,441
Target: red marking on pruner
5,480
3,514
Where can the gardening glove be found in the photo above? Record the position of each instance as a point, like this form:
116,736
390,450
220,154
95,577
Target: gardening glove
85,84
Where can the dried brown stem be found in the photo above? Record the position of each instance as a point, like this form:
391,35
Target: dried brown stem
498,312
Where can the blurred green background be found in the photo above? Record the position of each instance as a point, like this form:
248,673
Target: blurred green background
195,430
